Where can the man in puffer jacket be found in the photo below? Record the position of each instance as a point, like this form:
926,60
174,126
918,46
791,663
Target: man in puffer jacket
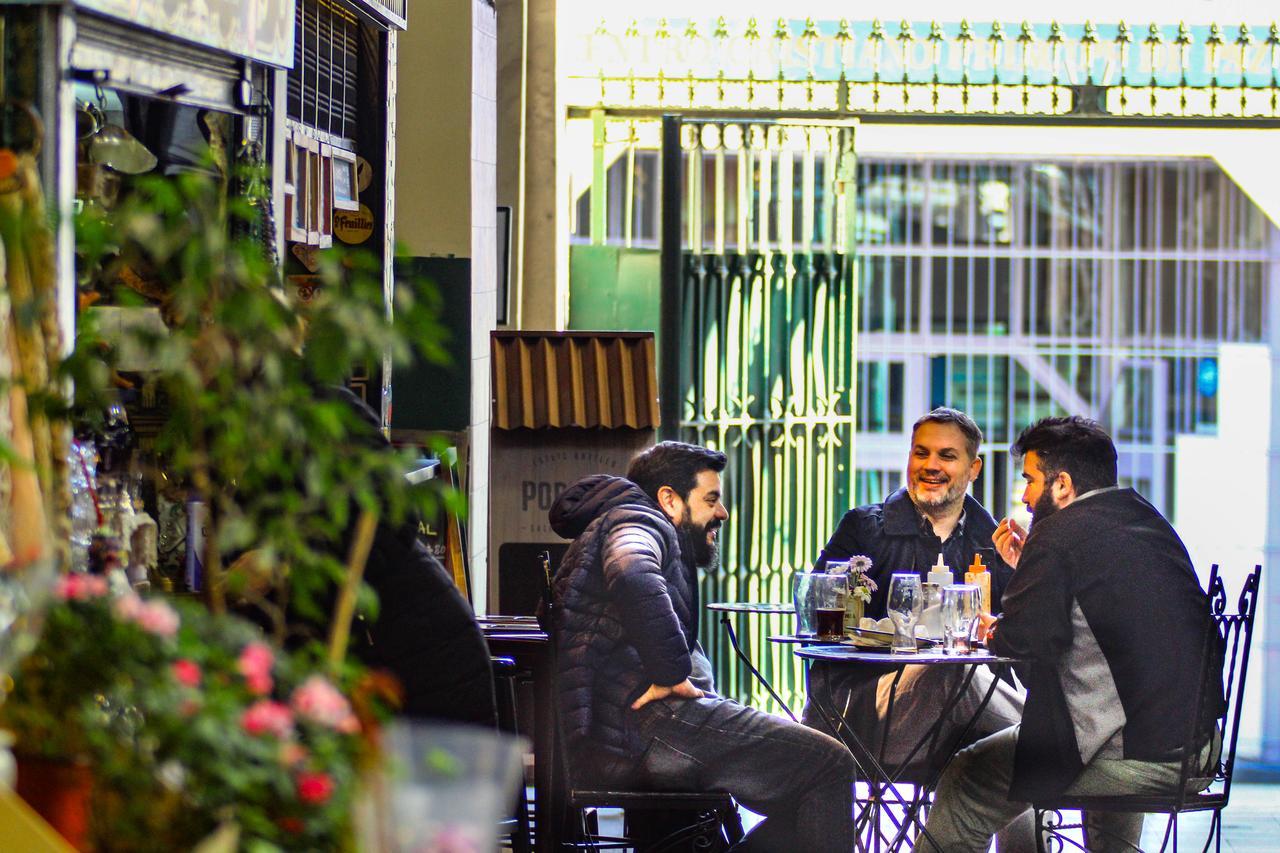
637,703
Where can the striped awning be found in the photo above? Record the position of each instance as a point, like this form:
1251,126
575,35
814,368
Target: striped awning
574,379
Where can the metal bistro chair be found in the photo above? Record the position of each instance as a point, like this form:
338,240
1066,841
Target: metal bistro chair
516,832
1231,636
710,819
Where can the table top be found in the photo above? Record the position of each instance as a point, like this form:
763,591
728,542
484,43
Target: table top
854,654
752,607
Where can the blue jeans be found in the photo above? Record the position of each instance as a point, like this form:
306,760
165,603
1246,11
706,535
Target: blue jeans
801,780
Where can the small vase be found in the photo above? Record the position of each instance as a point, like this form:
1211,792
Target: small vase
59,792
854,607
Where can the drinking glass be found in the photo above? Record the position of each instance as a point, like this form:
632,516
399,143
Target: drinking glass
906,600
819,599
960,605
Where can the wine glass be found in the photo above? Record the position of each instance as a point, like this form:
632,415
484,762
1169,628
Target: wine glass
906,600
960,605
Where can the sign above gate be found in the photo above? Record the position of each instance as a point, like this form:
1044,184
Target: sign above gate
998,67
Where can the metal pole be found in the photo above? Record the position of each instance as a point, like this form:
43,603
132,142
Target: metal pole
671,307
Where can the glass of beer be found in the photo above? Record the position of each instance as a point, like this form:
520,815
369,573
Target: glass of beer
819,599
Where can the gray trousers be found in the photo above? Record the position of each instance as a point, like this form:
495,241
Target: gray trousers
801,780
970,805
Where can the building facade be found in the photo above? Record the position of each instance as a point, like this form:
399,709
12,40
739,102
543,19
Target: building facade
1015,219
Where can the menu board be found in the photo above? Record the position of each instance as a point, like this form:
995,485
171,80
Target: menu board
255,29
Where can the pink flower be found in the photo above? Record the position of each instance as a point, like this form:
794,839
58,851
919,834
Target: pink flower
127,607
187,672
78,587
255,665
155,617
267,717
319,701
314,788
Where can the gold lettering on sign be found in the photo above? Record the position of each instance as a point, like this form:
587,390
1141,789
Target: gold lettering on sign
353,226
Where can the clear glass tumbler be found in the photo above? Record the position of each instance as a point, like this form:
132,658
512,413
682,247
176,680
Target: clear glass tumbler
960,605
906,601
819,600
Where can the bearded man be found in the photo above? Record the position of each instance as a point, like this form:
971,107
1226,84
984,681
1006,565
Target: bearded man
634,688
1107,615
933,514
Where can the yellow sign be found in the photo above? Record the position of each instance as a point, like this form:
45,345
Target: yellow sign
353,226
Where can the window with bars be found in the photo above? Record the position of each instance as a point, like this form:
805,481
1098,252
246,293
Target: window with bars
322,83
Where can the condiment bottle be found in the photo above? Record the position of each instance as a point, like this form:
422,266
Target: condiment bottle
939,576
940,573
981,578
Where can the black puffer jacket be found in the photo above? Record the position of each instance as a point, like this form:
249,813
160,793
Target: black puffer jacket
627,610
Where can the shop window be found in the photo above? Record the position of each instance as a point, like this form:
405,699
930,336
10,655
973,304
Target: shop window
323,82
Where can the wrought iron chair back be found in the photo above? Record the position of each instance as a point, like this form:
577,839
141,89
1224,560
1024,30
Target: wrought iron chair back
1204,786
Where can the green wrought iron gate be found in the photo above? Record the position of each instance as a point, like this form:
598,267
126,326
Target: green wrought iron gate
757,265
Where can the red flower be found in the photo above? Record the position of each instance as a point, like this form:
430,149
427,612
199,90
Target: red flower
314,788
267,717
292,825
187,672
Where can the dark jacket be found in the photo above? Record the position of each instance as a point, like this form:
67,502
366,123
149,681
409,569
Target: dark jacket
897,539
626,609
1108,612
426,633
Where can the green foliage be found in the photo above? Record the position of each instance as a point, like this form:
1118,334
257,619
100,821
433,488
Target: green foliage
284,467
160,700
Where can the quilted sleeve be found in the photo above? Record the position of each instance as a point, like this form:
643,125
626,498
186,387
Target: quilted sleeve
632,562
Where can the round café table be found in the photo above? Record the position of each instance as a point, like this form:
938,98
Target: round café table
753,608
933,750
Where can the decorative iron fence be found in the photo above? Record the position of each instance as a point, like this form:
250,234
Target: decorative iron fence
768,355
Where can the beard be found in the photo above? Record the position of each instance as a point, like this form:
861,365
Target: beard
951,497
704,549
1044,507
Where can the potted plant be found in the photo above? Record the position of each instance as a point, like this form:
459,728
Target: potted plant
184,723
190,719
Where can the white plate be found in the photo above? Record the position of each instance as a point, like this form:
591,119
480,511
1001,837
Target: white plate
882,639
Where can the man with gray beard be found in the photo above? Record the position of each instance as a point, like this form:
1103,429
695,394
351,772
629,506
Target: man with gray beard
637,703
932,514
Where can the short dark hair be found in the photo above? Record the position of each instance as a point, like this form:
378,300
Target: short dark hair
1077,445
958,419
674,464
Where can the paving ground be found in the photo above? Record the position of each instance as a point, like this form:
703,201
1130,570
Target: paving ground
1251,824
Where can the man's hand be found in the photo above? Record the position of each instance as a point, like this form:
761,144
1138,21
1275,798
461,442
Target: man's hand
685,690
1008,539
986,626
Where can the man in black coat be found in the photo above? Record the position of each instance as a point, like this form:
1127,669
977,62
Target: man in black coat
1107,612
933,514
425,634
637,703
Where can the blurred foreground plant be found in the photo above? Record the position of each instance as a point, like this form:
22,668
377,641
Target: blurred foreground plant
238,373
189,721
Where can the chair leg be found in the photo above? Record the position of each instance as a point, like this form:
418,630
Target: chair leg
521,838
